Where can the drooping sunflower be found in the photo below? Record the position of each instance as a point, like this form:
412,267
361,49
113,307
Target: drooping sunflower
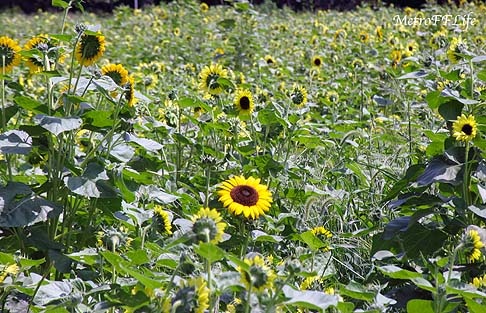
208,226
464,128
34,63
244,101
9,49
472,245
161,220
316,62
209,78
245,196
116,72
270,60
298,95
130,91
192,296
259,276
456,48
90,48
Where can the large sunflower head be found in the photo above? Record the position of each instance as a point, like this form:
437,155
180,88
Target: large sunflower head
209,78
90,48
161,221
192,297
472,245
116,72
259,275
457,47
244,101
207,226
316,62
298,95
9,51
464,128
245,196
40,42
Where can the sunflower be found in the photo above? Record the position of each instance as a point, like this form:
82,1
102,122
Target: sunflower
90,48
379,33
316,62
208,226
35,65
247,196
364,37
357,63
480,281
332,96
116,72
9,49
299,95
161,220
244,101
479,40
472,243
259,276
192,296
464,128
204,7
11,269
269,60
130,91
312,282
340,34
456,48
412,47
396,56
316,231
439,39
209,78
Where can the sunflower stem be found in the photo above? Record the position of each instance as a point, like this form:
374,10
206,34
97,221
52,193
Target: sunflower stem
248,299
208,179
465,180
4,118
65,15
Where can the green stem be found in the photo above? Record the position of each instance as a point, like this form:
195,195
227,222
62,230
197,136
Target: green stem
64,16
248,299
208,181
4,118
466,194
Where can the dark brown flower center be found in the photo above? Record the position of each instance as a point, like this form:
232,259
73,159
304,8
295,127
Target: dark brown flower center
90,46
244,195
467,129
244,103
269,61
317,62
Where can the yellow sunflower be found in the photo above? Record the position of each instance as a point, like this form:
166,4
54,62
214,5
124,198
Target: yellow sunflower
357,63
464,128
34,63
379,33
479,282
161,220
259,276
412,47
332,96
192,296
244,101
207,226
204,7
209,78
116,72
316,231
396,56
456,48
9,49
364,37
299,95
130,91
472,243
90,48
270,60
316,62
311,282
245,196
11,269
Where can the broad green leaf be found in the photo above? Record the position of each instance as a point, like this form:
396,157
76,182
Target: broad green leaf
398,273
138,257
357,291
440,170
27,263
15,142
60,4
450,110
312,241
31,104
209,251
315,300
96,119
475,307
420,306
94,183
57,125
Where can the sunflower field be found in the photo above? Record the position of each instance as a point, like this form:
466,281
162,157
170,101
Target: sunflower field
239,158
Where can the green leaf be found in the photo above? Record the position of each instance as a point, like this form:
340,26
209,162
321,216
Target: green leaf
475,307
21,207
15,142
314,300
6,258
482,75
312,241
125,267
209,251
357,291
27,263
413,75
420,240
227,23
450,110
433,99
60,4
397,272
57,125
31,104
440,170
420,306
94,183
138,257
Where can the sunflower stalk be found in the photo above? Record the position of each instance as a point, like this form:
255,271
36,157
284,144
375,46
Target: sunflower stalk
4,118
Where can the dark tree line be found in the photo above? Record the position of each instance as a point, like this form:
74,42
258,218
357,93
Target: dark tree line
30,6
